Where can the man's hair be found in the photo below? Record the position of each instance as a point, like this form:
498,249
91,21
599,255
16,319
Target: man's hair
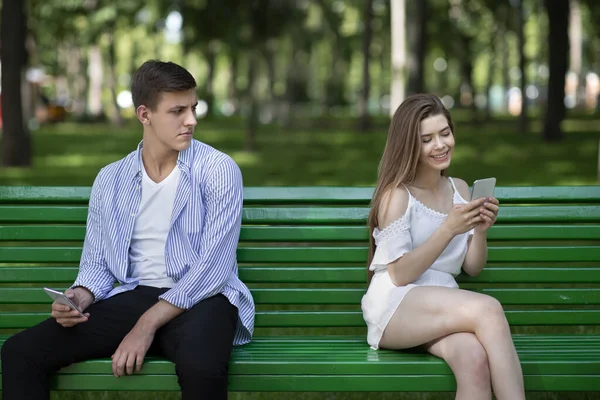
156,77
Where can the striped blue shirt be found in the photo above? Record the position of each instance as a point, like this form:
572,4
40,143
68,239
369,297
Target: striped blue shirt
200,250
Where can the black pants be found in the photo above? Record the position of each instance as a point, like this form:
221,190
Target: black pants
199,342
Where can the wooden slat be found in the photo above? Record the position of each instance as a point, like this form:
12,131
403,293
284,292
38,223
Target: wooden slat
352,296
44,194
320,195
314,383
50,274
41,214
42,232
508,274
322,319
333,355
360,233
26,254
313,233
311,215
290,363
359,254
309,194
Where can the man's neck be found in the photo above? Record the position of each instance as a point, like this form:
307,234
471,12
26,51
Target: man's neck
158,161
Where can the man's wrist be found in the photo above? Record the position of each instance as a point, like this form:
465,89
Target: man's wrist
85,295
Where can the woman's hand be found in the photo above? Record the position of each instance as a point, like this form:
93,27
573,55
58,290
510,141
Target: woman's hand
464,217
488,212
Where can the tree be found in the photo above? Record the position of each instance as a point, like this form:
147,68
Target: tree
398,88
558,39
523,117
16,140
417,36
367,34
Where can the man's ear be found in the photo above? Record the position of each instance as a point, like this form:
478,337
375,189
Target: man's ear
142,113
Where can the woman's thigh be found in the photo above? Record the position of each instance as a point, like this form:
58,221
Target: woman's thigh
428,313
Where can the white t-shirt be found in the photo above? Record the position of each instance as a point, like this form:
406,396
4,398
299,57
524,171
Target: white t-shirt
147,249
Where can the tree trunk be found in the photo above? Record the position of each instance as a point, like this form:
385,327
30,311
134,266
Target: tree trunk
364,99
95,81
398,88
252,122
558,39
417,39
575,45
117,118
523,117
492,66
75,79
16,139
211,57
505,56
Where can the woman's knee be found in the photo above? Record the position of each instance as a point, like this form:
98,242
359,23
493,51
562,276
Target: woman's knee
468,360
488,313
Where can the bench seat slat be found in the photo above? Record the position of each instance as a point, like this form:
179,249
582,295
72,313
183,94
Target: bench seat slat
313,233
309,194
318,383
310,215
19,320
355,254
352,296
494,273
342,360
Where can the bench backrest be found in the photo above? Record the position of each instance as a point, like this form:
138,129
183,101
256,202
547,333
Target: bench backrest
303,251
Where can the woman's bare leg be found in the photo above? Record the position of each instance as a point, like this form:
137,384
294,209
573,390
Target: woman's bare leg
469,362
428,313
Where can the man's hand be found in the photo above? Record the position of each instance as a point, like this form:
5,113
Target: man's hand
132,350
67,317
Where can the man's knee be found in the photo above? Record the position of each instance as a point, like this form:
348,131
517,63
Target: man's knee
15,352
205,369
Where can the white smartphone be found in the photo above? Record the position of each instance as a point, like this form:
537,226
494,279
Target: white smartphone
62,298
483,188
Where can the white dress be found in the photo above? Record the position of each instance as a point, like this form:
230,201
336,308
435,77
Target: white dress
401,236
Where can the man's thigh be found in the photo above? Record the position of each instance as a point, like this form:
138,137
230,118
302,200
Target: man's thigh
110,320
204,334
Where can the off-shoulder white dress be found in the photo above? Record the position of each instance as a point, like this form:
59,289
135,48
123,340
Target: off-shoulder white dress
401,236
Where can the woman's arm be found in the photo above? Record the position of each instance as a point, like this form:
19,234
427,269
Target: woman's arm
414,263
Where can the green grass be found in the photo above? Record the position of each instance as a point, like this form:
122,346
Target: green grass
72,154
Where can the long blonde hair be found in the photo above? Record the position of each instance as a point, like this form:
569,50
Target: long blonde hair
400,157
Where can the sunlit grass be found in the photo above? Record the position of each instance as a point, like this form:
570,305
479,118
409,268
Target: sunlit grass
72,154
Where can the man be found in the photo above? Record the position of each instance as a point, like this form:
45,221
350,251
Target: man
164,223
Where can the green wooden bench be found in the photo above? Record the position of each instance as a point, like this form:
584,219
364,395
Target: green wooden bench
303,252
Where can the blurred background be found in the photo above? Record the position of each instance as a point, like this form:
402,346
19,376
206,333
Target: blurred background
300,92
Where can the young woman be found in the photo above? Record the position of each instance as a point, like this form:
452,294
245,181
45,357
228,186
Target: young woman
424,231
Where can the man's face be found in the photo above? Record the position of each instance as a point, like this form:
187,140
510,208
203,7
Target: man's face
172,122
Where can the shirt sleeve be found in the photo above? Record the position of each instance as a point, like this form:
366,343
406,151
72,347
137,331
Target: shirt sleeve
219,240
391,243
94,274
